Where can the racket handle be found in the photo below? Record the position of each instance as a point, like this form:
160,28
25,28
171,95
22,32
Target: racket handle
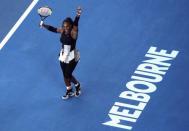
41,24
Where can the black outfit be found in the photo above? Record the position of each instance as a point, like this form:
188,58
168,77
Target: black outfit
68,68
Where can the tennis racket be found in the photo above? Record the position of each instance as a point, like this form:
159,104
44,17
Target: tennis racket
44,12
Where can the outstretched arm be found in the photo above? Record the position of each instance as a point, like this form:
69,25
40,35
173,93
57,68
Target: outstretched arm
51,28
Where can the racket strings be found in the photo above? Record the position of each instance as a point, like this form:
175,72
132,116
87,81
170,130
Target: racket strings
44,11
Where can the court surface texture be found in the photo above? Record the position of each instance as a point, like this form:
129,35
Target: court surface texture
116,38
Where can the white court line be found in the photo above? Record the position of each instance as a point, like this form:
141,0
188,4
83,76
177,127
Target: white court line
18,23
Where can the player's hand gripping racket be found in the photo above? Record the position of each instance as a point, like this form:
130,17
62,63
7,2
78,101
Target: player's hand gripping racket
44,12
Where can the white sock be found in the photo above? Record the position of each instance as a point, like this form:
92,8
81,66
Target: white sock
68,87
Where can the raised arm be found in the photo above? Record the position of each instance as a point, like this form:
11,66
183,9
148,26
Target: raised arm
75,24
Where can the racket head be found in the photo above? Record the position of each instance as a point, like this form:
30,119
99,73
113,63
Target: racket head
44,12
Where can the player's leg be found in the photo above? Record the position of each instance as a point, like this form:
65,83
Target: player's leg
69,90
67,80
74,80
77,86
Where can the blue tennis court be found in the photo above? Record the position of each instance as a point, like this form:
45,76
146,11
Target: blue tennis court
133,67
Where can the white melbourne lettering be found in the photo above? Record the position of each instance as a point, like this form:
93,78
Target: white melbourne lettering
148,73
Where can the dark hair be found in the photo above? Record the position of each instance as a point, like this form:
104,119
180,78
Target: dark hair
68,20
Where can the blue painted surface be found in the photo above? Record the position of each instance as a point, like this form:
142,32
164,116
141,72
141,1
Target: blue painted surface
114,36
10,13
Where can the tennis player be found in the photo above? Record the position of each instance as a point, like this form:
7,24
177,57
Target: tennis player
69,56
